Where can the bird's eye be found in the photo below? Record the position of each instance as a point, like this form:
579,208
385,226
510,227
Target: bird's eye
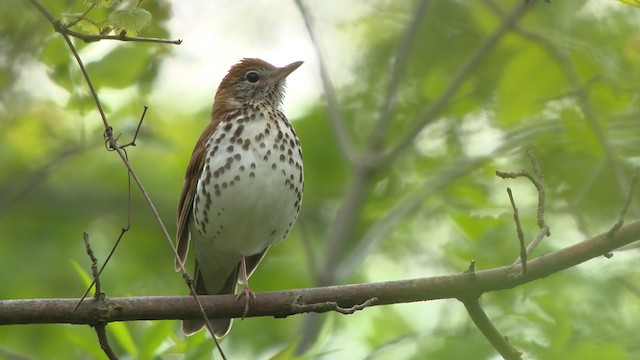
252,77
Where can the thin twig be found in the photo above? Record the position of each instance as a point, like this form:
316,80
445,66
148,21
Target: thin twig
120,37
94,265
135,136
542,194
79,18
122,230
625,208
534,243
484,324
538,182
96,275
516,218
64,30
100,327
104,341
335,117
472,267
113,144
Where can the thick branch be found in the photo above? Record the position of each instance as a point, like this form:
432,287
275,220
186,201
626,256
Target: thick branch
284,303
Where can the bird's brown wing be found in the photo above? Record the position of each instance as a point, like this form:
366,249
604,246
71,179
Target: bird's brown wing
185,203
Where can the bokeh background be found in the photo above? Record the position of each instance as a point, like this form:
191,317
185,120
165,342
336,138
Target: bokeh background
563,82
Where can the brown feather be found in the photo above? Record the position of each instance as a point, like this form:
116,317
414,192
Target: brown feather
185,203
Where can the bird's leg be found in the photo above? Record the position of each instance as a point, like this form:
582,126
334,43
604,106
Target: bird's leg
248,293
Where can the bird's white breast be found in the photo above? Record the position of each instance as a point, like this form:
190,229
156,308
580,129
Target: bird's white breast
250,190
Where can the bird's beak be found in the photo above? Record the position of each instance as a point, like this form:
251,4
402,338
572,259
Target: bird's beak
284,71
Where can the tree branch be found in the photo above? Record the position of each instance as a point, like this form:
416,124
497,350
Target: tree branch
64,29
288,302
489,331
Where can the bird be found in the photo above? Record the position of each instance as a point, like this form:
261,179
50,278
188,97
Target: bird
243,185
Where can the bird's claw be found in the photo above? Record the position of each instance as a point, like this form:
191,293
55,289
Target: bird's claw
248,296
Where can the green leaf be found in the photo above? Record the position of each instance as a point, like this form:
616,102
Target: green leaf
122,335
102,3
529,78
288,352
132,20
635,3
82,273
120,68
154,337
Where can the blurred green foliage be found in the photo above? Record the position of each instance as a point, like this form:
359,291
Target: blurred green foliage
563,82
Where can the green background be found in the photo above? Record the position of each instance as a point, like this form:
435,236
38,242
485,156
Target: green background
563,83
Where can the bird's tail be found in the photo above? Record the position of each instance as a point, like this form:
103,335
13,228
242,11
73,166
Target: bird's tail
220,326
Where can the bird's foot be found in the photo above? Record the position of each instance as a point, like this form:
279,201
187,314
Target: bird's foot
249,295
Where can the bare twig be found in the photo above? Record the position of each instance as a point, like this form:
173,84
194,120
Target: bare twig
101,330
94,265
625,208
120,37
516,218
114,145
538,182
122,230
534,243
106,261
472,267
335,117
484,324
100,326
135,136
64,30
79,18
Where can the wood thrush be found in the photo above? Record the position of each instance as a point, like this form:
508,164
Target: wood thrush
243,185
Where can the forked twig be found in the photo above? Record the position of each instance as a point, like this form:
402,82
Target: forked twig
114,145
64,30
538,182
100,327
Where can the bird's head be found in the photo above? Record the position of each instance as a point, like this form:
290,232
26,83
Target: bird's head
253,81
